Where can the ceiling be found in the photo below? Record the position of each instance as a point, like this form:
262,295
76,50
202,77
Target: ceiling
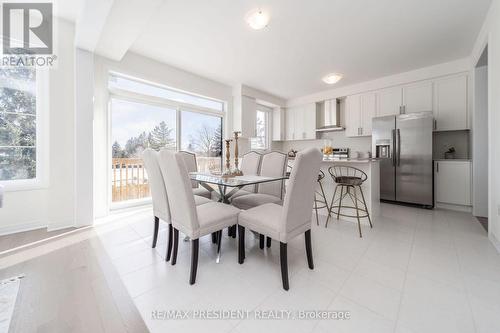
363,39
305,40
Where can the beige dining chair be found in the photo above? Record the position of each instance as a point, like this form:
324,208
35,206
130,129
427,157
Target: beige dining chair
250,166
273,164
192,166
193,221
282,223
161,208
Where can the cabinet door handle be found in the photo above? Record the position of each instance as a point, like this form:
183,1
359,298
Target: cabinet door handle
435,124
437,167
400,109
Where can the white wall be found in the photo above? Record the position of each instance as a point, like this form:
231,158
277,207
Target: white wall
149,70
480,143
490,35
52,206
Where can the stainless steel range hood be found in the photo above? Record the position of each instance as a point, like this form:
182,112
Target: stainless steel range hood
328,116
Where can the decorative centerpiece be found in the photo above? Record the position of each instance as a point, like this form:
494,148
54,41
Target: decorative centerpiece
227,172
236,171
327,149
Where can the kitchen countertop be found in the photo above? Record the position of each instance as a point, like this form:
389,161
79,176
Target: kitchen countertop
453,159
346,160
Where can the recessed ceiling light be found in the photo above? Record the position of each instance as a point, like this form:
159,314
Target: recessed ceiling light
257,19
332,78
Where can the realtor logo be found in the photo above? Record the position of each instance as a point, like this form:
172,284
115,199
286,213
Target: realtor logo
27,28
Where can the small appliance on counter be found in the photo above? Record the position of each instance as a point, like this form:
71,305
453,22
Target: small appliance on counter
292,153
339,153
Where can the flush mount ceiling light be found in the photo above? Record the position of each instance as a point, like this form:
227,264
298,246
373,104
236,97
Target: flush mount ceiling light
257,19
332,78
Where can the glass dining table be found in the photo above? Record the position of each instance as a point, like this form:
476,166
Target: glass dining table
228,186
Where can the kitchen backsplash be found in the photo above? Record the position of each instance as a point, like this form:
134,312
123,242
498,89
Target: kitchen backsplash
339,140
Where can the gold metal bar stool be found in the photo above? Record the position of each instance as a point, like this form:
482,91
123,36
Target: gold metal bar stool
350,180
320,200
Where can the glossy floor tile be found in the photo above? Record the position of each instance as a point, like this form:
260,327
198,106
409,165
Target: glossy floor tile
415,271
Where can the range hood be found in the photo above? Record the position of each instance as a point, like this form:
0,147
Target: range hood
328,116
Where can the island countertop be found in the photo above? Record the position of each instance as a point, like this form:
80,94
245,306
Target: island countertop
346,160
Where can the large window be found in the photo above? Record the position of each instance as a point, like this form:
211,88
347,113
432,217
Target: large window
145,116
202,135
261,139
18,124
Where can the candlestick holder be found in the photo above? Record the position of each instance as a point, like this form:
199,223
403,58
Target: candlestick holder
236,171
227,172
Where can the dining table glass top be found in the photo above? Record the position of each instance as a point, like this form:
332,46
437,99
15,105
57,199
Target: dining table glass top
236,181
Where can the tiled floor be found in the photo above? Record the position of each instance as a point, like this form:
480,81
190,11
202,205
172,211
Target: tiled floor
415,271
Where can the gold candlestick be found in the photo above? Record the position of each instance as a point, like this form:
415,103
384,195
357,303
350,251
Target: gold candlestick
236,171
228,158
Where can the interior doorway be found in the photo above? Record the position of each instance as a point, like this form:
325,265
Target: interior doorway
480,140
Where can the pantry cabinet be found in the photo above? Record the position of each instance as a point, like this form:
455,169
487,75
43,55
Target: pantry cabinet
452,182
450,110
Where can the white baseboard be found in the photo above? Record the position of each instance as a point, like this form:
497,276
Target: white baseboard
494,241
459,208
12,229
59,226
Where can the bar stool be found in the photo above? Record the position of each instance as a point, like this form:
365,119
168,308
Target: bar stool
349,179
320,200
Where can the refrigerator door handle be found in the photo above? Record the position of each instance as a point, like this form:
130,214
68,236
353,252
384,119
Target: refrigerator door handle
399,147
393,148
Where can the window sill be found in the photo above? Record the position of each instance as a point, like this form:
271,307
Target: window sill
23,185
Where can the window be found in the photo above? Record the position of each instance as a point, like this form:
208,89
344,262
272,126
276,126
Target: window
202,135
18,125
148,116
133,85
261,140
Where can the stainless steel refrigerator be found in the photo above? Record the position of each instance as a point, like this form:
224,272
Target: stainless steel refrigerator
404,145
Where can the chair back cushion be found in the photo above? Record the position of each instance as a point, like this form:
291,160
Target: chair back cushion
180,193
250,164
299,196
191,165
161,208
273,165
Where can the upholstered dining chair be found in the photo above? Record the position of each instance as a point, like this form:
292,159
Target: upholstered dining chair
192,166
194,221
250,165
161,208
273,164
282,223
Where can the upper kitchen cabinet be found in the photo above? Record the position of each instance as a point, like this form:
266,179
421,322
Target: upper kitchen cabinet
279,124
301,122
418,97
245,115
389,101
359,111
450,110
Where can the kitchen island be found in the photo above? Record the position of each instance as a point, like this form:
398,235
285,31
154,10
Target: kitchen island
371,187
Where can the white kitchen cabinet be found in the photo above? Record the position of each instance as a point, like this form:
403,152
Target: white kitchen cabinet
389,101
368,111
450,111
418,97
301,122
352,115
452,182
359,111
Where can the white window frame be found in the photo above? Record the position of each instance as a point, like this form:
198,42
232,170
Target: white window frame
41,179
268,112
122,94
